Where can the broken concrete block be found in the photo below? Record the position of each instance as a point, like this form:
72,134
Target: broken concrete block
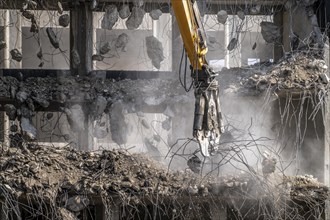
122,41
270,32
232,44
105,48
135,19
124,11
241,15
10,111
145,124
64,20
77,203
28,15
16,55
21,96
52,38
155,51
155,14
97,57
222,16
110,17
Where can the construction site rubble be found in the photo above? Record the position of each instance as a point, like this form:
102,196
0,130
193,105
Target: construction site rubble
54,172
297,72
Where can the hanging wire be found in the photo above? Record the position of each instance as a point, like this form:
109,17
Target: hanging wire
183,81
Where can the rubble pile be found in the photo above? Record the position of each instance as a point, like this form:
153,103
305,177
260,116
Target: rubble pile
68,180
297,72
55,170
306,186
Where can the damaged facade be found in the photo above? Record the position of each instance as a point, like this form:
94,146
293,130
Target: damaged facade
96,117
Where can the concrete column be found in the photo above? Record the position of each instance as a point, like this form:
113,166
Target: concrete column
6,65
227,40
81,39
13,33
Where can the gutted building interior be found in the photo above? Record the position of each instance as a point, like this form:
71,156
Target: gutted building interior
97,106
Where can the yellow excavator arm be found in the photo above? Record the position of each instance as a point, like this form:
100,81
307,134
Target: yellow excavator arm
208,118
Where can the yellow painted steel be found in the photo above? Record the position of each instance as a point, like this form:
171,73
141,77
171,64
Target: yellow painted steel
187,17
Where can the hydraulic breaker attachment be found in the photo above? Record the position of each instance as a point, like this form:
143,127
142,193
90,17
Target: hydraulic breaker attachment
208,119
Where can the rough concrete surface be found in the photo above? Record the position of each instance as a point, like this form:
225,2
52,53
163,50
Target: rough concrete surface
270,32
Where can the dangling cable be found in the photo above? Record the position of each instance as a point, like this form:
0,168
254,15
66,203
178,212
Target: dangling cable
184,82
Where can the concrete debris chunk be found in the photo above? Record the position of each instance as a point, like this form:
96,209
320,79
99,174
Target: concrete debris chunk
28,15
77,203
155,51
145,124
28,129
155,14
241,15
34,26
75,58
21,96
222,16
64,20
135,19
124,11
110,17
270,32
10,111
3,45
76,117
122,41
52,38
105,48
16,55
232,44
97,57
